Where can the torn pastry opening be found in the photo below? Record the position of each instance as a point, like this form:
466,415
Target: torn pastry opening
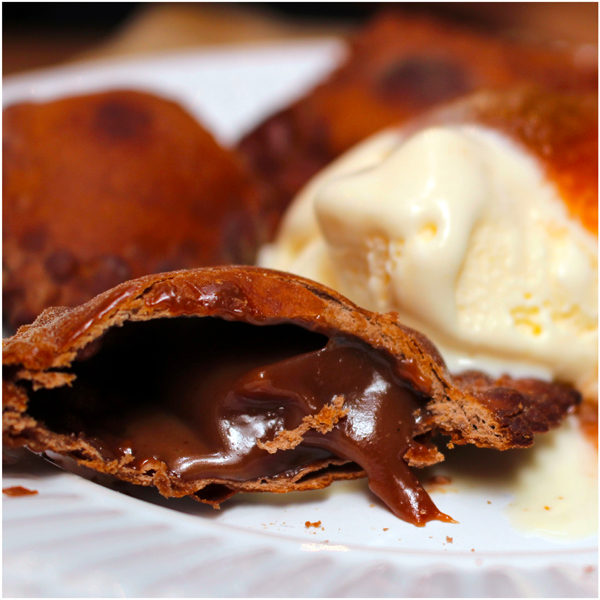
201,402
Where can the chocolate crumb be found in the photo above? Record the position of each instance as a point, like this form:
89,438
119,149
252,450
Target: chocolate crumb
315,524
449,539
18,491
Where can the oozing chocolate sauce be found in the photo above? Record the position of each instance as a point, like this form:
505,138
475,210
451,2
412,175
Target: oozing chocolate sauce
202,416
378,427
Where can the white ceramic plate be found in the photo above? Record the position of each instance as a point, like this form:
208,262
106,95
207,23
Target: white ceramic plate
78,538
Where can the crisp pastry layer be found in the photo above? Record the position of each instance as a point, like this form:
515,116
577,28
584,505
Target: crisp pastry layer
220,380
399,67
103,188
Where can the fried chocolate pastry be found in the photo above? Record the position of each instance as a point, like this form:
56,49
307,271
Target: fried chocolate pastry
239,379
103,188
398,67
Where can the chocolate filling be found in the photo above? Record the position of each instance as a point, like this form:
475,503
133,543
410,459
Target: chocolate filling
214,399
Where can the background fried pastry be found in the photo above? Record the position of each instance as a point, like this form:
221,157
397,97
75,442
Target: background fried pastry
74,379
398,67
101,188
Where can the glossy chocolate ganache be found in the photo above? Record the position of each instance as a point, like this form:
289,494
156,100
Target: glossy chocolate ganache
214,399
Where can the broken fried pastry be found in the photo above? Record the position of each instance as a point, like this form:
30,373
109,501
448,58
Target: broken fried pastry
214,381
398,67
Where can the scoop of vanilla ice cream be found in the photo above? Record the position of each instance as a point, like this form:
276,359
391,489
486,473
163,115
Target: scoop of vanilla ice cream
458,229
300,246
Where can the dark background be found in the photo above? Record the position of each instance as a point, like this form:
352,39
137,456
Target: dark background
39,34
107,15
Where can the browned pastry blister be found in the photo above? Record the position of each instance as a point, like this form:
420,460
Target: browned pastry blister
238,379
399,67
103,188
559,129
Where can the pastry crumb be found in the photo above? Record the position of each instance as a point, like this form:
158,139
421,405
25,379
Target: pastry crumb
385,528
315,524
449,539
18,490
323,422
